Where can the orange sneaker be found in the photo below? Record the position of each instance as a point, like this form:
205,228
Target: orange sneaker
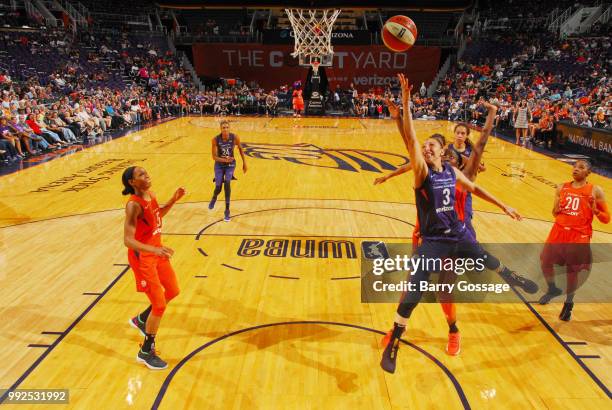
453,346
385,340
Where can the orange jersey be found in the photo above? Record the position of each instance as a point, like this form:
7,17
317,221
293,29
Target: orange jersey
460,198
575,208
297,96
149,224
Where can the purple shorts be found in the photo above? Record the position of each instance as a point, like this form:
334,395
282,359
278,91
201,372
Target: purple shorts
224,172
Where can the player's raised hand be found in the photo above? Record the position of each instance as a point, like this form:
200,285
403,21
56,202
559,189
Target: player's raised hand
393,108
512,213
405,86
180,192
593,204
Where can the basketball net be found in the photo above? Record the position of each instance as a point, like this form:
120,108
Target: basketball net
312,30
315,66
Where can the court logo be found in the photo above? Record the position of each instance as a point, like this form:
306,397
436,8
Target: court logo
517,170
374,250
297,248
345,159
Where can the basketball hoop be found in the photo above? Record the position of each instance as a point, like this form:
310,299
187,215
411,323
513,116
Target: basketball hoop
315,63
312,30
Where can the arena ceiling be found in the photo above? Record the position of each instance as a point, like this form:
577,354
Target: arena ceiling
388,4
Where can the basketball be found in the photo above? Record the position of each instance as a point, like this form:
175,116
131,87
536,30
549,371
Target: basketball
399,33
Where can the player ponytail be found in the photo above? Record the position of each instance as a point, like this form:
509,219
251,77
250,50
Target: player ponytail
125,178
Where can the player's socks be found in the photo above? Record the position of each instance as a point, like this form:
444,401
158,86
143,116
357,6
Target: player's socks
566,312
227,191
552,292
390,354
452,328
142,317
519,281
149,342
139,321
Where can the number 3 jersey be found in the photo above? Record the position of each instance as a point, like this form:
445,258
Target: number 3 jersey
435,201
149,224
575,208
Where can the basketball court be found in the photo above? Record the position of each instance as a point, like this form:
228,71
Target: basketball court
259,327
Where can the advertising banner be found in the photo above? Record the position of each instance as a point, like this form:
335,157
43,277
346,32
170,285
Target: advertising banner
591,141
272,65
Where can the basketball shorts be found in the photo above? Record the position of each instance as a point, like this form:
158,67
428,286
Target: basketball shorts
224,172
155,277
567,247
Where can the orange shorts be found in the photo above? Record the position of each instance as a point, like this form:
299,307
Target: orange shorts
565,246
298,104
155,277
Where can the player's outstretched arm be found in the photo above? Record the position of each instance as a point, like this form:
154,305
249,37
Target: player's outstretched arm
178,194
395,114
132,212
472,167
600,208
482,193
409,135
401,170
244,165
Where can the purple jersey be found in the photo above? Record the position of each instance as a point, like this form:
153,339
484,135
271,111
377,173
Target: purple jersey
466,153
226,148
435,201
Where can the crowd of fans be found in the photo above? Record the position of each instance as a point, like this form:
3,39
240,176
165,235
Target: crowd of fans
555,80
83,85
91,84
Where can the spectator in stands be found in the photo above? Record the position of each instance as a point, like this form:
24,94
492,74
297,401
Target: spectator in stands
50,136
36,142
522,117
7,135
53,123
271,104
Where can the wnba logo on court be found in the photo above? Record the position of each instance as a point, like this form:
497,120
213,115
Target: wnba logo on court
354,160
297,248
